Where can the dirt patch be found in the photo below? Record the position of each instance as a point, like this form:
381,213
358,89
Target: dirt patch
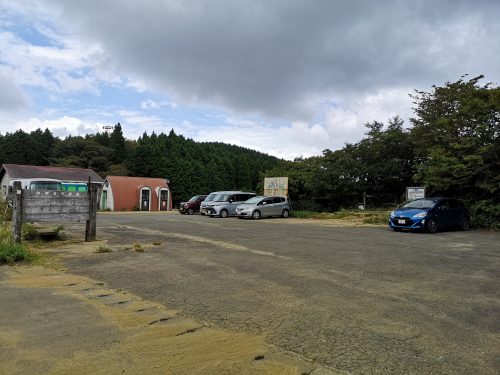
140,336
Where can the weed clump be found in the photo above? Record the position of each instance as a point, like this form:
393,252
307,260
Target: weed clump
59,234
156,243
138,247
11,252
103,249
29,232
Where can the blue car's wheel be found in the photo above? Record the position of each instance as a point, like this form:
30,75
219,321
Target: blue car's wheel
432,226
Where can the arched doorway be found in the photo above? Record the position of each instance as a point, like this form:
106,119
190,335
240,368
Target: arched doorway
145,199
163,199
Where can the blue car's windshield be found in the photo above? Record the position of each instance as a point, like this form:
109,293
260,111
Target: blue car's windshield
421,203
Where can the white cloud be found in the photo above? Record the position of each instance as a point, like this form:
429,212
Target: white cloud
12,96
150,104
61,69
60,127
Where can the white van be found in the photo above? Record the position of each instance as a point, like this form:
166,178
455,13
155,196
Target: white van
40,184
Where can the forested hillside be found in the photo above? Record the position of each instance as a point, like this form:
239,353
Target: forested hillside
192,167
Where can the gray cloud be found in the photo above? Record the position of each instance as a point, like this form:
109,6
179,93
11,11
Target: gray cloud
280,58
12,96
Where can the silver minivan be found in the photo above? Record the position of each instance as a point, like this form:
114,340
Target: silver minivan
263,206
208,201
225,203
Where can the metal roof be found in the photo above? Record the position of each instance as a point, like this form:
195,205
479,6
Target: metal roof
59,173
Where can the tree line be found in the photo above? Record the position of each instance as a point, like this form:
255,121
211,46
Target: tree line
191,167
451,147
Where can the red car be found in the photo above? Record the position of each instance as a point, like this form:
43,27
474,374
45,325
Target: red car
192,205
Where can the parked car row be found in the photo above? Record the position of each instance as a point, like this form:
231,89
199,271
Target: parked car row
428,214
237,203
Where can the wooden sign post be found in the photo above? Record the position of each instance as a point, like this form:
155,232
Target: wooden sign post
17,212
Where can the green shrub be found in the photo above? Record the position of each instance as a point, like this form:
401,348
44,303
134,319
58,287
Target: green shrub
59,234
29,232
11,252
485,214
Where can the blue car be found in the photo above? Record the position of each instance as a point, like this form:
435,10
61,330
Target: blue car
430,214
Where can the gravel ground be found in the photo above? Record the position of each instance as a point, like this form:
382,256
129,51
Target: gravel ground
364,300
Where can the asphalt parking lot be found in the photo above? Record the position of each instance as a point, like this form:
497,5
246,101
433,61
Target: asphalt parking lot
359,299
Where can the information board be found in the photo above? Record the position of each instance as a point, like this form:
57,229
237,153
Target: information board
276,186
414,193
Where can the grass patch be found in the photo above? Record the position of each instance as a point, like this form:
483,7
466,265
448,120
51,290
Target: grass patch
156,243
4,233
138,247
11,253
5,212
103,249
375,216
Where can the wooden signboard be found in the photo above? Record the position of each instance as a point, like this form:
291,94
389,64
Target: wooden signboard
53,206
276,186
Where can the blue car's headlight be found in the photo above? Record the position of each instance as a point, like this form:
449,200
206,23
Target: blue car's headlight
420,215
392,214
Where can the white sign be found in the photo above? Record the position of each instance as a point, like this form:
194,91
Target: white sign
276,186
414,193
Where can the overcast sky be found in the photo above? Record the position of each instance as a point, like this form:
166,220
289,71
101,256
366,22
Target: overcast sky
290,78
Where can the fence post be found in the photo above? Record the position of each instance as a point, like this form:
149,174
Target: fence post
90,226
17,212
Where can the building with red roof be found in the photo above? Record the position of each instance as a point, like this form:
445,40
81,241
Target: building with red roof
123,193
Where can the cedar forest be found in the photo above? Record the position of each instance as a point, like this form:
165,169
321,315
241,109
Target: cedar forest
451,146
